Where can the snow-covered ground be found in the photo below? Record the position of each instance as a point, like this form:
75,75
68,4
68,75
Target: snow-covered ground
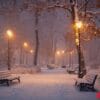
47,85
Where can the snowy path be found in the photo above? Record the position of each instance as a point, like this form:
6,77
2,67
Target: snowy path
48,85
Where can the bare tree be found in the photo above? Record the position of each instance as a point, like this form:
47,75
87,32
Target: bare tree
36,37
34,5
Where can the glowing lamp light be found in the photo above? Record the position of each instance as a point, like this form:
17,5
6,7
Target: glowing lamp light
63,51
9,33
78,24
77,34
31,51
77,41
58,52
25,44
71,52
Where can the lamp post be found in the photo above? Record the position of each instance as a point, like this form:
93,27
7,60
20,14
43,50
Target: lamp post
78,26
60,54
31,56
21,55
9,36
70,59
25,45
63,52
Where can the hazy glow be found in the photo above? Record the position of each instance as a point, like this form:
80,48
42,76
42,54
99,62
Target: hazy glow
9,33
77,34
31,51
77,41
58,52
63,51
78,24
71,52
25,44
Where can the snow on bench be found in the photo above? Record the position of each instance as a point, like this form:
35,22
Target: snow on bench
8,78
87,82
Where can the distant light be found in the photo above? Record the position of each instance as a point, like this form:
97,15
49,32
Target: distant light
25,44
58,52
77,34
31,51
77,41
9,33
95,33
78,24
63,51
71,52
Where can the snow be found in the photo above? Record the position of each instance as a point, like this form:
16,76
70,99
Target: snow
53,84
25,70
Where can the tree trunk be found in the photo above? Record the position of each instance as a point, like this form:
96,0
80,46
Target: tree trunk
9,56
75,18
37,38
72,10
54,43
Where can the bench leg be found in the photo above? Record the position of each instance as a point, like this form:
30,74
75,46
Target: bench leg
19,79
8,82
76,83
82,86
86,87
91,87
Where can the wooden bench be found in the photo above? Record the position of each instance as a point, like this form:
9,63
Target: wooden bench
7,78
87,82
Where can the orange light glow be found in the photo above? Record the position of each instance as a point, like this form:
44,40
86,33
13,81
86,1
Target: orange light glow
31,51
63,51
77,34
9,33
71,52
77,41
78,25
25,44
58,52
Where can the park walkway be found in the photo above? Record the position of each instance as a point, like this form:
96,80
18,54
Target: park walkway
47,85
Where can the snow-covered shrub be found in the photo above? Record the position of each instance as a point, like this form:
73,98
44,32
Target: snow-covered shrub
25,70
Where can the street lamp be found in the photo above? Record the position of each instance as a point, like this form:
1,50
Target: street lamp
70,59
31,55
25,45
60,55
63,51
9,36
78,26
58,52
31,51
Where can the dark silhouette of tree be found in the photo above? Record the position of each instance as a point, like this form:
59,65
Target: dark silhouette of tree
36,37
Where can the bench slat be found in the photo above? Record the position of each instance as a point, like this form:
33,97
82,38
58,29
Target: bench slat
87,82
